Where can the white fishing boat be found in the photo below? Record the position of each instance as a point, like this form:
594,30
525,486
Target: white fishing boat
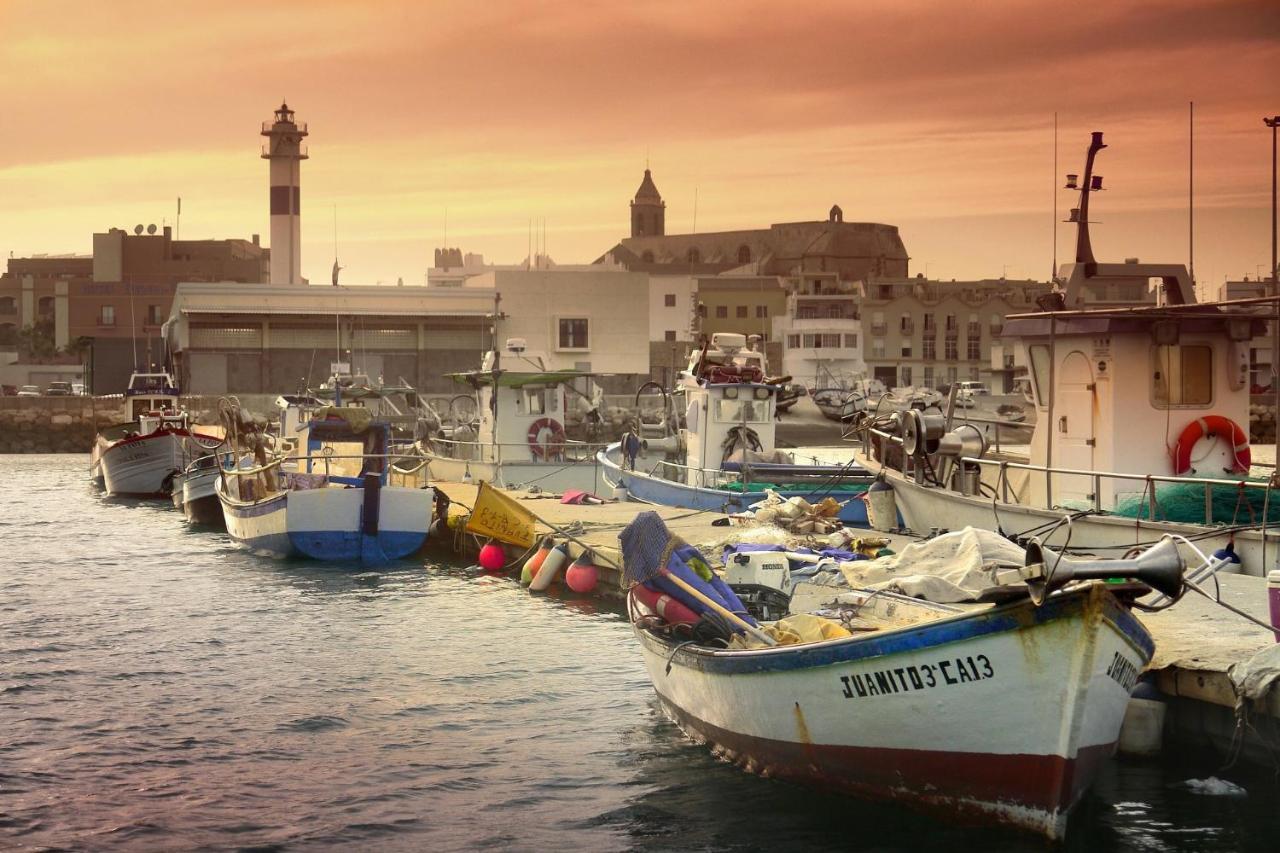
1002,714
725,457
196,491
141,457
518,438
1141,425
339,496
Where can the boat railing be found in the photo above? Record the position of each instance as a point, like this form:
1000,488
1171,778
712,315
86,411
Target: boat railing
705,478
1149,481
497,453
322,467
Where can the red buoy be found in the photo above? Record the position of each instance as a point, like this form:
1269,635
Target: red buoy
492,557
583,575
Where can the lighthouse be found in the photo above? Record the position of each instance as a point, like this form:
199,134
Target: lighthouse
286,152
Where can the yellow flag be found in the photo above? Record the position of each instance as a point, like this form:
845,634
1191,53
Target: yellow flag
501,518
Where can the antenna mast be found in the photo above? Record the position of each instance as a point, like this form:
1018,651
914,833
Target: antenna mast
1191,192
1053,275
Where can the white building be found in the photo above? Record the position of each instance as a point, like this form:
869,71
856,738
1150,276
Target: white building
821,333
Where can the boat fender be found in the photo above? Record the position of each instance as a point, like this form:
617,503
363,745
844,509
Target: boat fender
1212,426
550,446
664,605
550,568
582,576
534,563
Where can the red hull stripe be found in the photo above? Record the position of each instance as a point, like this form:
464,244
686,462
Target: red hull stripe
944,783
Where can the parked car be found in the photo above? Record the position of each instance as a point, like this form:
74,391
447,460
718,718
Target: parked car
8,390
58,389
77,388
29,391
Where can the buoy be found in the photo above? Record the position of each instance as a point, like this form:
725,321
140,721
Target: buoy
665,606
550,567
583,575
534,563
492,557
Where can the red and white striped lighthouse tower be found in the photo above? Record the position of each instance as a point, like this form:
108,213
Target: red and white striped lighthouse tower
286,152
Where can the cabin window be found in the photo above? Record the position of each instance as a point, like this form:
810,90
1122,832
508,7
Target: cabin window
533,402
749,411
669,300
1181,376
1039,355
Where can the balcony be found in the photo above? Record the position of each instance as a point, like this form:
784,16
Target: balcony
879,329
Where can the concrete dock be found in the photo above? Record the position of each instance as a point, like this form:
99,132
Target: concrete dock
1197,641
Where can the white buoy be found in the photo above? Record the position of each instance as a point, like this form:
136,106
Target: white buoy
1142,732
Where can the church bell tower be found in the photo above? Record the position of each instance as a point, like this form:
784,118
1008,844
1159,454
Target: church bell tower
648,210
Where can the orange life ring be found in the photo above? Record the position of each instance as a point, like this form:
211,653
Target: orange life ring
554,443
1208,426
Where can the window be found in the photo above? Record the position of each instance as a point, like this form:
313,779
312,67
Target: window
8,305
722,312
877,323
953,373
669,300
877,347
951,323
750,411
762,311
1181,376
153,315
8,334
906,349
928,376
906,374
930,349
974,348
573,333
929,324
744,254
851,341
694,256
670,335
107,315
533,402
793,342
1039,355
741,311
952,350
45,305
906,325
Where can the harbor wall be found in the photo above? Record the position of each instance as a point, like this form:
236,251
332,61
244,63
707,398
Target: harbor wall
54,424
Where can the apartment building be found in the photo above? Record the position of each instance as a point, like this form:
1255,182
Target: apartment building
820,331
930,333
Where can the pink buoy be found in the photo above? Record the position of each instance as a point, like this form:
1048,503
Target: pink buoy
583,575
492,557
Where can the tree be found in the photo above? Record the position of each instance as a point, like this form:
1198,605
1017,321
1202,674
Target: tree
37,340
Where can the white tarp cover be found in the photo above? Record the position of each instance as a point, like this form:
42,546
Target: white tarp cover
1253,679
953,567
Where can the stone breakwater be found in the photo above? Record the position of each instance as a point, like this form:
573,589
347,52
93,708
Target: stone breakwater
54,424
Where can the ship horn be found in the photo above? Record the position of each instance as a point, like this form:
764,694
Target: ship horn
1160,567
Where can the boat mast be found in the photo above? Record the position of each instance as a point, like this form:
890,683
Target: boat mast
1084,250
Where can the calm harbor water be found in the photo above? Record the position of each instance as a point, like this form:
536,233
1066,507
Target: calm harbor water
161,689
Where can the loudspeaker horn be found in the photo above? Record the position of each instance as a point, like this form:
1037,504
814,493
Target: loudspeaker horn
1160,567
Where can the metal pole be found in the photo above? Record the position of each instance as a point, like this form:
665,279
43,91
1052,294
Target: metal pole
1272,123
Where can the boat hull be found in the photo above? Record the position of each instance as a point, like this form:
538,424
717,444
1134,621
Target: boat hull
647,488
1004,716
200,499
142,466
924,507
328,523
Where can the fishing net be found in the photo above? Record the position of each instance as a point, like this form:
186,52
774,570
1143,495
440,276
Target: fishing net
1185,502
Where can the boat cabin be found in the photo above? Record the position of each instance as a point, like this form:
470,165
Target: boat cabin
729,407
345,444
522,405
1160,389
152,400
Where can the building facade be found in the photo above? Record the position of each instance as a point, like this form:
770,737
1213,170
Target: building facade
919,332
108,307
820,331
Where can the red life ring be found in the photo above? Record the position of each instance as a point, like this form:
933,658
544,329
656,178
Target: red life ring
1209,426
552,445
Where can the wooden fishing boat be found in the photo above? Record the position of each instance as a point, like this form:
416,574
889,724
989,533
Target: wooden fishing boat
1000,716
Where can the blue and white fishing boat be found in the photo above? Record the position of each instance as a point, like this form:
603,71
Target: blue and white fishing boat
338,496
1001,714
724,458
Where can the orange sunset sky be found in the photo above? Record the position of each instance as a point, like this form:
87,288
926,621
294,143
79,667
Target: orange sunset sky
936,117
